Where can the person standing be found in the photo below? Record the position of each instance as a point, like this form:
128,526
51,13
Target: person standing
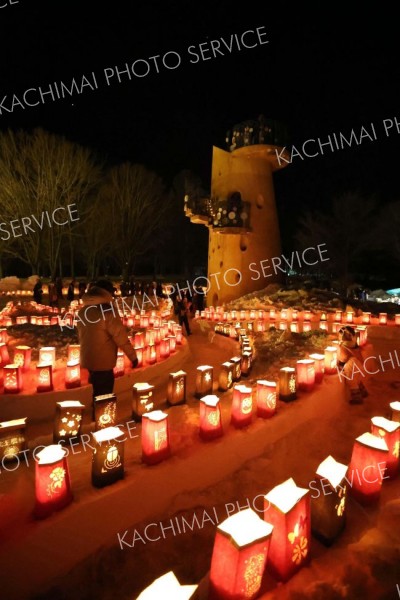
38,292
53,295
71,291
350,364
183,307
59,288
81,289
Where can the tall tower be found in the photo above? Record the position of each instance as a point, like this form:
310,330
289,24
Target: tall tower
241,213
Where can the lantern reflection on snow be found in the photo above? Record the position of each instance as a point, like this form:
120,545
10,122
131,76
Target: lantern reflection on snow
245,363
119,368
319,365
105,411
390,432
12,439
395,408
210,418
366,318
367,466
52,483
12,379
4,356
204,380
47,355
44,377
142,399
330,360
242,406
68,420
237,373
22,357
225,380
151,354
328,507
108,456
287,384
74,352
287,508
239,556
155,437
167,587
305,374
176,388
266,398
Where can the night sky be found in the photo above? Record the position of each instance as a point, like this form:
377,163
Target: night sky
317,74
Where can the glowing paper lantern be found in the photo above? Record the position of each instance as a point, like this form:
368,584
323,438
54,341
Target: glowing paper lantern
172,343
366,318
272,314
72,374
338,316
204,381
368,463
108,456
237,373
47,356
306,326
395,416
266,398
12,439
74,352
361,335
323,326
22,357
155,437
151,354
319,366
5,358
307,315
336,327
225,380
166,587
261,314
54,320
119,368
242,406
260,328
3,336
305,374
390,432
176,388
68,420
287,384
245,363
328,508
144,321
210,418
294,327
282,326
164,348
382,318
284,314
105,411
150,336
139,355
239,556
331,360
139,338
52,482
349,316
287,508
44,377
12,379
397,319
142,399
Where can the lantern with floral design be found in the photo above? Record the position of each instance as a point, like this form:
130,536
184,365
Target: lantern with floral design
319,365
105,411
74,352
68,420
367,467
210,418
22,357
176,388
239,556
395,411
12,439
44,377
52,482
390,432
142,399
225,380
72,374
167,586
287,508
155,437
266,398
287,384
47,355
330,360
328,505
204,381
242,406
108,456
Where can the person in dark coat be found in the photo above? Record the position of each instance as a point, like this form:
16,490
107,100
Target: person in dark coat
183,307
71,291
59,288
38,292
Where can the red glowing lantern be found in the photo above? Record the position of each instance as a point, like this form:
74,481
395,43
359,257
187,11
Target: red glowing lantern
176,388
261,314
287,508
260,328
307,315
150,336
382,318
68,420
272,314
349,316
119,368
210,418
287,384
3,336
73,374
108,456
294,327
397,319
44,377
164,348
245,363
323,326
204,381
12,379
242,315
239,556
242,406
395,416
74,352
336,327
172,343
319,365
139,355
168,586
144,321
338,316
105,411
47,356
361,335
5,358
54,321
12,439
151,354
52,482
331,360
139,338
390,432
225,380
284,314
21,320
366,318
305,374
306,326
155,437
266,398
142,399
368,463
282,326
22,357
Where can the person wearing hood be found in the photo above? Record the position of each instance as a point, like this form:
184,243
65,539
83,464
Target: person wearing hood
101,334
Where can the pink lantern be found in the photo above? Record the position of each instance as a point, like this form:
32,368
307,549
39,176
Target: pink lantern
210,418
144,321
367,466
74,352
73,374
164,348
12,379
119,368
155,437
178,333
139,354
52,483
139,339
266,398
47,355
242,406
319,364
305,374
172,343
150,336
151,354
331,360
22,357
390,432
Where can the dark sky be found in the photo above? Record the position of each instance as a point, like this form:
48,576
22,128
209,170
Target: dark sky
324,70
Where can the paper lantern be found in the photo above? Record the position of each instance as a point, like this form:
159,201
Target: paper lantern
172,343
397,319
12,439
33,320
361,335
294,327
150,336
287,508
3,336
4,356
105,411
54,321
245,363
305,374
210,418
395,415
349,316
39,320
306,326
307,315
239,556
44,377
272,314
338,316
144,321
382,318
139,355
155,437
74,352
12,379
242,406
367,466
336,327
142,399
236,373
366,318
167,587
319,366
151,354
282,326
72,374
176,388
47,356
139,338
108,456
323,316
287,384
260,328
22,357
328,508
284,314
261,314
68,420
390,432
225,380
52,482
323,326
204,381
164,348
266,398
119,368
242,315
330,360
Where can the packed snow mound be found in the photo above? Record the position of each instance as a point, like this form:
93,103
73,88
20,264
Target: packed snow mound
279,297
10,284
